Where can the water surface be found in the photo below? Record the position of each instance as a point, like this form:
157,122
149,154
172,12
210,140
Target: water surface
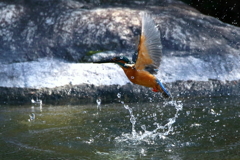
201,128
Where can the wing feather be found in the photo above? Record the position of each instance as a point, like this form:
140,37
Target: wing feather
150,47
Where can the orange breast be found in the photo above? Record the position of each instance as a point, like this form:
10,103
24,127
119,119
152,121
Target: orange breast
140,77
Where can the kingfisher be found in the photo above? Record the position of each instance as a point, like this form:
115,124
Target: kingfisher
146,61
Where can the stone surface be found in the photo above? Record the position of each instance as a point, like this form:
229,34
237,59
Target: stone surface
41,41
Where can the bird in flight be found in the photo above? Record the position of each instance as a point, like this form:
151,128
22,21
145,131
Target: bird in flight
146,61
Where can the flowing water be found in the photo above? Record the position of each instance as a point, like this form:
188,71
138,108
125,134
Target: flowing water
200,128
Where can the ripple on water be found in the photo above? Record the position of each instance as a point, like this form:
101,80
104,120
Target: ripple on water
165,130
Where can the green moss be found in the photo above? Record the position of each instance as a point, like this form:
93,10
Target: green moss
90,53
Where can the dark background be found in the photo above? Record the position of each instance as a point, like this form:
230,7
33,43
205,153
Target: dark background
226,10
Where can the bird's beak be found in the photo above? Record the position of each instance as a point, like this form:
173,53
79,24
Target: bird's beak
107,60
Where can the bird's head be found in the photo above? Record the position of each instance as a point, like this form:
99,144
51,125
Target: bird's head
120,60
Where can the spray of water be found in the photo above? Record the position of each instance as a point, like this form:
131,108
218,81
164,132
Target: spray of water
99,103
150,136
132,120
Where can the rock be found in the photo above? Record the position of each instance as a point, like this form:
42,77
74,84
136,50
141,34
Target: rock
41,41
64,29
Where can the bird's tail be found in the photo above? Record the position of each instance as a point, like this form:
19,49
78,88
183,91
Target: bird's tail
165,93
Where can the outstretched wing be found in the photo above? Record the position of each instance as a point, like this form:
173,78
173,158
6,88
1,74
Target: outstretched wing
150,47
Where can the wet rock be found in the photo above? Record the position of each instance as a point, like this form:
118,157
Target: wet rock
69,94
41,41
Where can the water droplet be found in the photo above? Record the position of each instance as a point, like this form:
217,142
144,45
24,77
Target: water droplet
143,152
143,127
99,101
119,95
38,101
154,114
133,120
31,117
150,99
212,111
126,106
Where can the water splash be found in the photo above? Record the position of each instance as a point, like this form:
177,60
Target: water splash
31,117
119,98
119,95
99,103
38,101
161,131
132,120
